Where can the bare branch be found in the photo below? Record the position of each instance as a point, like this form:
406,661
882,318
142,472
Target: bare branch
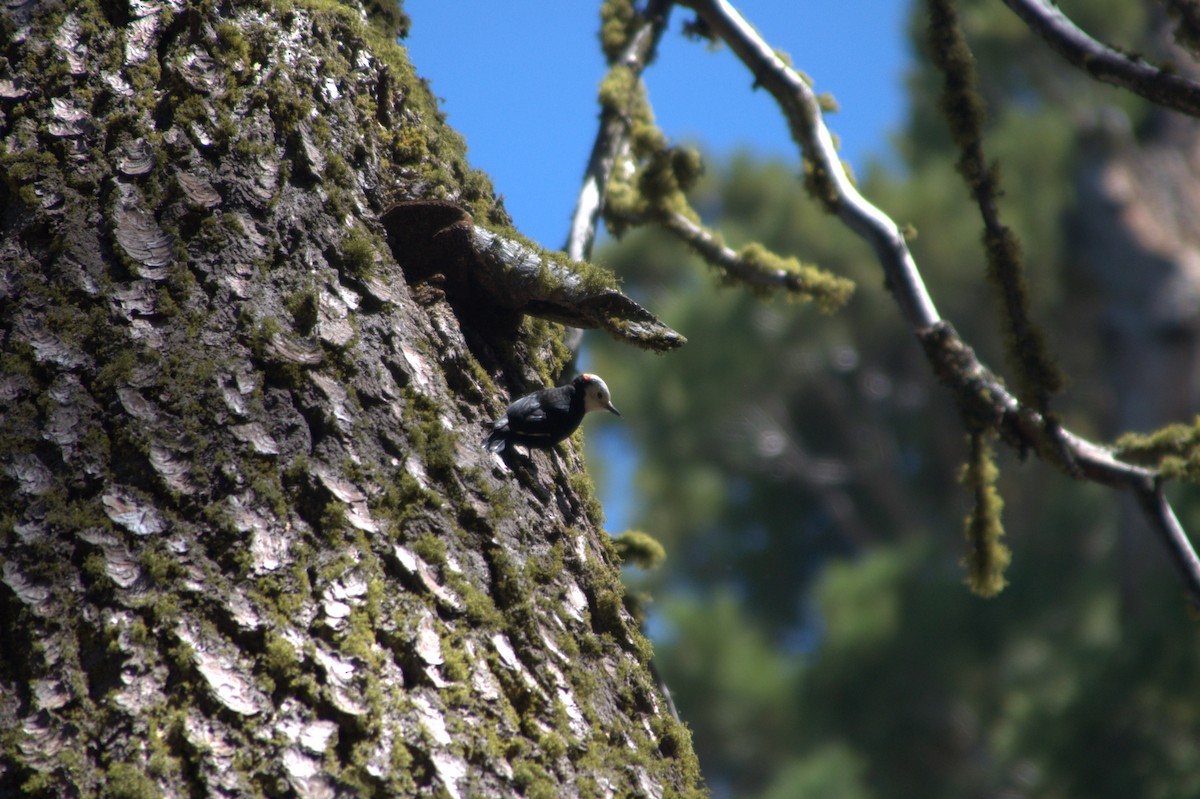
613,135
1164,521
981,394
1103,63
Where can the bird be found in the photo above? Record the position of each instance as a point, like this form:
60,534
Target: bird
546,417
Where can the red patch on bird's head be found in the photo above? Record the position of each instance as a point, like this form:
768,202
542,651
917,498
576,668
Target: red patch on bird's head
588,376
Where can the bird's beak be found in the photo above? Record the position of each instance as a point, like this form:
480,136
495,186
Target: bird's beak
612,408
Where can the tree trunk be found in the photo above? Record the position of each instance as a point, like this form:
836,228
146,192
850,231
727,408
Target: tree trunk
251,545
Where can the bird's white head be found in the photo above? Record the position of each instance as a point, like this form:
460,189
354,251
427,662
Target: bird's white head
595,395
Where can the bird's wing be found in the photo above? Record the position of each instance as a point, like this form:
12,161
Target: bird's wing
526,409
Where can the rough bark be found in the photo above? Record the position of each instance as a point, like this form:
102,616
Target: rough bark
249,542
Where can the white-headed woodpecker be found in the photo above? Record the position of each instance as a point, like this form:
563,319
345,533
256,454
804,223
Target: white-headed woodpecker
546,417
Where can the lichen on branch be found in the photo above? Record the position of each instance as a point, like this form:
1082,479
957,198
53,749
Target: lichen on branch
652,190
986,557
1174,450
1038,377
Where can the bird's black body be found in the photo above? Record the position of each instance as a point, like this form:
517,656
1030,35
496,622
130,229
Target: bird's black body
546,417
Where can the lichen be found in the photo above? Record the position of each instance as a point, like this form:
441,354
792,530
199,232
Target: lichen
617,18
986,557
1026,350
1174,450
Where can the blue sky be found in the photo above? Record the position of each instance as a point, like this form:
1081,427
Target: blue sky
519,81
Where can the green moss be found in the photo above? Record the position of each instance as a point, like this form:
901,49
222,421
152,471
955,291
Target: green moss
617,25
581,484
161,760
534,782
508,583
545,569
638,548
661,186
480,608
1174,450
73,514
376,588
265,481
24,167
456,668
827,103
339,172
986,556
280,660
160,565
303,306
359,639
437,446
617,90
643,649
288,593
181,656
606,615
409,145
675,742
552,745
164,610
963,107
359,252
126,781
95,569
802,280
501,503
138,632
567,644
404,499
232,44
431,548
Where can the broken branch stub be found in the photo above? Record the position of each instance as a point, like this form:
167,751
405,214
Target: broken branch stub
483,271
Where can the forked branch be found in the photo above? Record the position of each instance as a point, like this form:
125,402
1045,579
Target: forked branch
980,392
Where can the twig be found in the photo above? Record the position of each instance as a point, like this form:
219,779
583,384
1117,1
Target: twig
715,252
718,254
981,393
1163,519
1103,63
